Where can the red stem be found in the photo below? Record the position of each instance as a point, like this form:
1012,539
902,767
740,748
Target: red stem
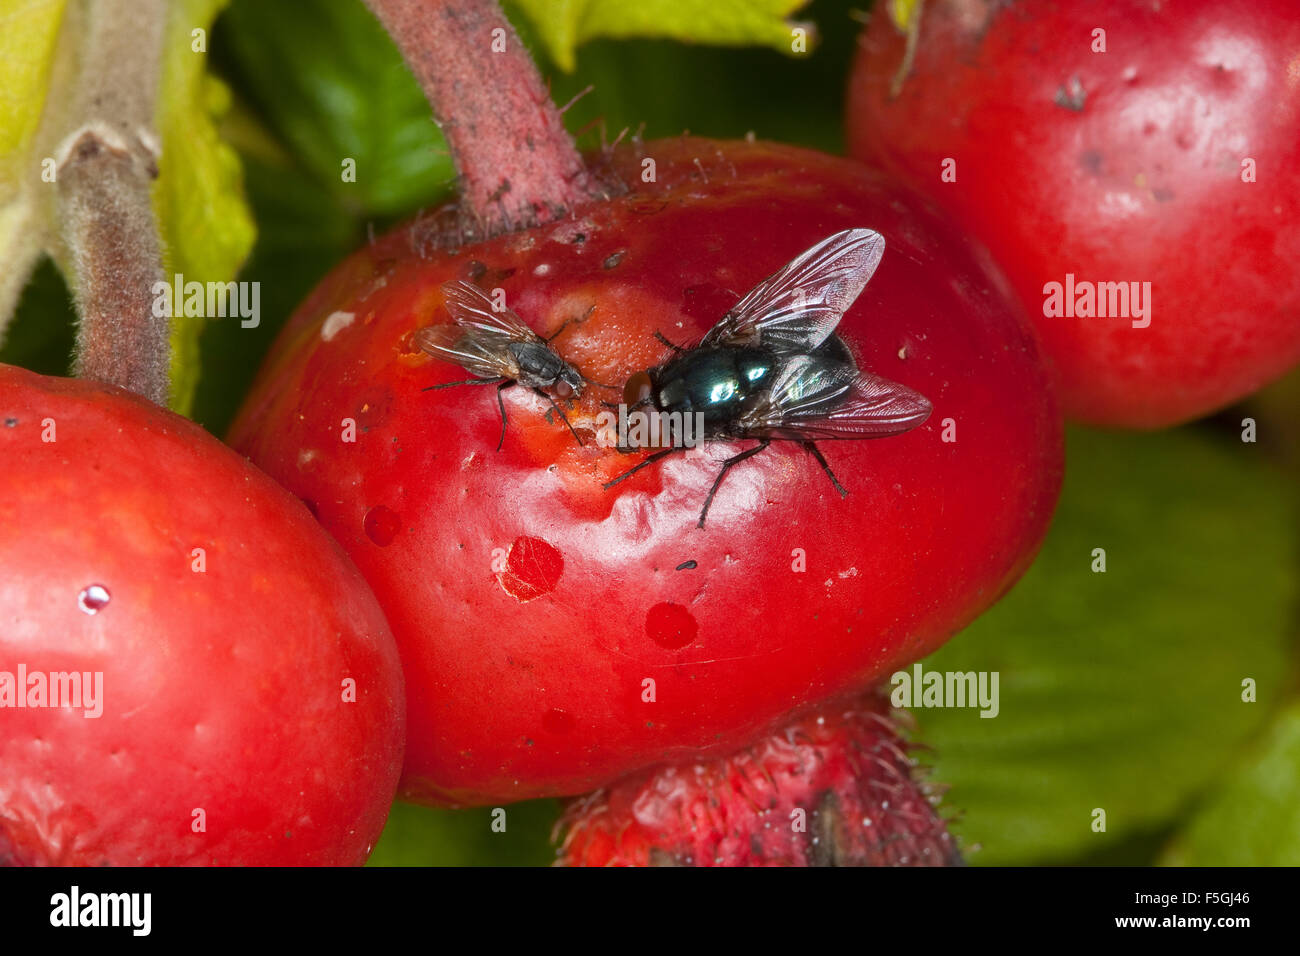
517,164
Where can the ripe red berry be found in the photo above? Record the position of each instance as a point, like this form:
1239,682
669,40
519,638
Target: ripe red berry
238,698
837,788
1125,143
556,635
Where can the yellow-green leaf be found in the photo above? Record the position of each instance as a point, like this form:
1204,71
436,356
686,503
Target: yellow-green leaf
1254,820
561,25
28,30
206,225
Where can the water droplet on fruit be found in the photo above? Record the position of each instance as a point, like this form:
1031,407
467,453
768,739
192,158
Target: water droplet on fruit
382,524
671,625
91,599
533,568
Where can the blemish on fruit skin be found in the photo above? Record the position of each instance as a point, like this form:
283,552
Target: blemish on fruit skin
381,524
11,423
335,323
671,626
92,599
687,566
1071,95
533,568
614,259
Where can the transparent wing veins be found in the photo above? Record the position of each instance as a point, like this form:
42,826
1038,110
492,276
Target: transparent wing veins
814,399
797,307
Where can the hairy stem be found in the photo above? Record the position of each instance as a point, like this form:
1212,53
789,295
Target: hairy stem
106,165
517,164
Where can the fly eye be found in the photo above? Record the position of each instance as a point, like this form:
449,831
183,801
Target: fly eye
638,389
564,389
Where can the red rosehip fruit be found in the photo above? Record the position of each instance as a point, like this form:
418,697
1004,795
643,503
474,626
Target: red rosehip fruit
556,635
191,672
1129,165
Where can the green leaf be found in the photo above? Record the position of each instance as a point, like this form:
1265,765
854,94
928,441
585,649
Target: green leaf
416,836
334,87
1122,690
562,25
1254,818
28,32
207,227
41,337
27,40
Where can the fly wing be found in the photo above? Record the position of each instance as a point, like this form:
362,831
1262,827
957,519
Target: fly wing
795,309
480,355
813,399
471,309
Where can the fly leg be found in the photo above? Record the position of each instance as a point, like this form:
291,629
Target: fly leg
676,348
501,383
646,462
726,466
559,411
821,460
502,405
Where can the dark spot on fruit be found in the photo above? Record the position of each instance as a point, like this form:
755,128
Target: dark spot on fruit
11,423
474,270
579,238
1162,195
556,721
1091,160
382,524
92,599
533,568
406,344
500,275
687,566
671,626
614,259
1071,95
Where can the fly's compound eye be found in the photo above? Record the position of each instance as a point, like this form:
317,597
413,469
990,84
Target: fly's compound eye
563,389
637,390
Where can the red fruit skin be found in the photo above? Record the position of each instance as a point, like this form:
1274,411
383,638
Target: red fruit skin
222,690
835,789
1142,183
528,679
